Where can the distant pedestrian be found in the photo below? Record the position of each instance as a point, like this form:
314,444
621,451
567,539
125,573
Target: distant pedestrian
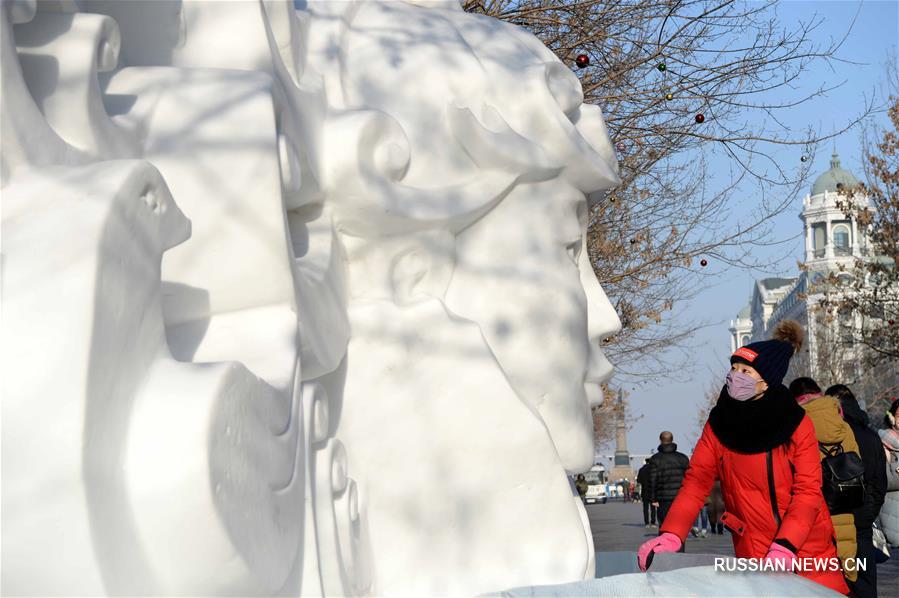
871,451
667,474
701,528
581,485
649,510
716,509
889,437
632,491
760,443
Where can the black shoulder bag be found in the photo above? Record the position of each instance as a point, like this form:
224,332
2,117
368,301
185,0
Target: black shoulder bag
844,479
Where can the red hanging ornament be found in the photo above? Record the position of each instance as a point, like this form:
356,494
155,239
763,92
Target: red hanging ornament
703,263
582,61
700,118
891,322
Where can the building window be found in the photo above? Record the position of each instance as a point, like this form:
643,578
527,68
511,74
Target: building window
744,341
841,240
819,238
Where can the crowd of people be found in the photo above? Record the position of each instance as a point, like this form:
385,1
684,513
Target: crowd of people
793,473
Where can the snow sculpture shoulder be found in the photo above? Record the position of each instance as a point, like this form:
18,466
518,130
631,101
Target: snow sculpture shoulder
295,301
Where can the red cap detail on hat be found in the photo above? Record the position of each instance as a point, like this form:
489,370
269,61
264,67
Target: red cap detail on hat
747,354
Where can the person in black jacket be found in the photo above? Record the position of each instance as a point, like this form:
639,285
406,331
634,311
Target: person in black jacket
667,474
871,452
649,510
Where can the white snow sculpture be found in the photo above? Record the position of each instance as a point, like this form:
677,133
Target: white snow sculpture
476,318
201,201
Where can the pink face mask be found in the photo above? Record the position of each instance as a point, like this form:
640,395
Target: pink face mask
740,386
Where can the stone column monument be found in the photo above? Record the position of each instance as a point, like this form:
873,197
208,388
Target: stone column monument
621,466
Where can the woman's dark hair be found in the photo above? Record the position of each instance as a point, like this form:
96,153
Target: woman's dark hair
803,386
840,392
893,408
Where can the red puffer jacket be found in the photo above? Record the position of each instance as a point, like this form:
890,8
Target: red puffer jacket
794,512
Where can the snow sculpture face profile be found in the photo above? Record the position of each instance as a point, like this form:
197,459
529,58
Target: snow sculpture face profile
296,301
476,316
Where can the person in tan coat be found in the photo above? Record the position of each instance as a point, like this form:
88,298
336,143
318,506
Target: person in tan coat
831,429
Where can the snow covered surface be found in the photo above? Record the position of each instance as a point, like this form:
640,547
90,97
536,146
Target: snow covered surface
294,301
689,581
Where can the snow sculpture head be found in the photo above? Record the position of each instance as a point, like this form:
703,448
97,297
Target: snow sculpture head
456,159
484,136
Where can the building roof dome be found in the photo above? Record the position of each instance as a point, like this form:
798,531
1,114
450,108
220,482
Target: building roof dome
830,180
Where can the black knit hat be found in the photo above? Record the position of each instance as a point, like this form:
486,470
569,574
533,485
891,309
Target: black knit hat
771,358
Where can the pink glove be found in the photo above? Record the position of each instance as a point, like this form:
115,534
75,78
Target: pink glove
667,542
780,554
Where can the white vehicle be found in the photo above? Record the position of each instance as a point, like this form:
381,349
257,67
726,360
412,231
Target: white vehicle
596,485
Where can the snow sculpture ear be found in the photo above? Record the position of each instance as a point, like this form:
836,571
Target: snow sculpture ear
408,271
401,268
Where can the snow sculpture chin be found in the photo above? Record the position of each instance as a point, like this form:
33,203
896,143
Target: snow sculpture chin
295,301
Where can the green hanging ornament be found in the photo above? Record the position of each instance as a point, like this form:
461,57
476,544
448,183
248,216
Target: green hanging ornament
662,67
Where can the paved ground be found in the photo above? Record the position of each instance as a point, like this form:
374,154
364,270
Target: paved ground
618,526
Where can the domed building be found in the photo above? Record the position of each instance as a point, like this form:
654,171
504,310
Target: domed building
834,179
831,237
741,329
833,242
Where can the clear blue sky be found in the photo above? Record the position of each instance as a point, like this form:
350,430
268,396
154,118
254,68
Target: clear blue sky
674,406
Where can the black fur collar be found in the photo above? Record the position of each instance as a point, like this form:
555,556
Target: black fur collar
756,426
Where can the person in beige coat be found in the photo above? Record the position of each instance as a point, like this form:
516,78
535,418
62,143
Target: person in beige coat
831,429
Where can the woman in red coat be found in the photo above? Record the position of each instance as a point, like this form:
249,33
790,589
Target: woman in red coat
760,444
